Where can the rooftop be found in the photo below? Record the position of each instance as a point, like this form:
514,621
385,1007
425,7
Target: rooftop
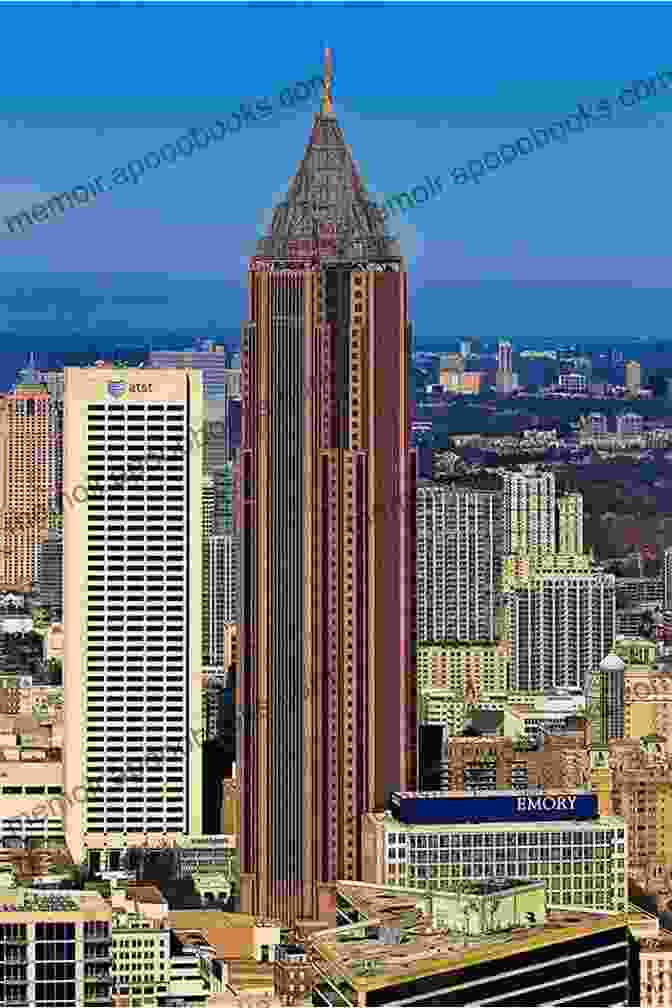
371,963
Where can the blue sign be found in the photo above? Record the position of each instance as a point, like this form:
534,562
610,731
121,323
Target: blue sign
507,806
116,388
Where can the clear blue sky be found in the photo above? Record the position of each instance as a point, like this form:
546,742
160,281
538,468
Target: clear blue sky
568,243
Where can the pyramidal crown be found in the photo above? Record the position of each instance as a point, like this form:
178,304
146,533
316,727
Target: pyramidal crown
327,213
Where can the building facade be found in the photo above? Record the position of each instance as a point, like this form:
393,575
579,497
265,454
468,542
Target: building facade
459,543
132,587
24,426
560,626
570,523
529,511
327,554
633,377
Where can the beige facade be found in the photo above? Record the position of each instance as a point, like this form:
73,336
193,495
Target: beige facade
467,668
570,523
655,977
140,959
132,668
23,481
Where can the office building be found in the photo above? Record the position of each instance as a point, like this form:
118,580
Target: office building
595,425
326,617
655,962
221,435
132,607
560,625
607,693
24,422
633,377
570,523
220,380
529,511
488,943
451,362
642,796
54,949
434,839
459,553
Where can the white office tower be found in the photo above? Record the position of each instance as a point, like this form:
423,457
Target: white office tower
570,523
667,576
132,586
560,625
529,511
458,562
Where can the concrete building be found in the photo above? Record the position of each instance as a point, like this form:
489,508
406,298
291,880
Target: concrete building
529,511
326,618
459,547
491,943
560,624
220,380
55,948
24,420
595,425
133,553
583,860
633,377
570,523
504,356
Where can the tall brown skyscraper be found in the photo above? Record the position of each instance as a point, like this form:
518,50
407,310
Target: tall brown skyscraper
325,690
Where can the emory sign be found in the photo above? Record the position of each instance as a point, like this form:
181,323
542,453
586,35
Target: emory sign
546,804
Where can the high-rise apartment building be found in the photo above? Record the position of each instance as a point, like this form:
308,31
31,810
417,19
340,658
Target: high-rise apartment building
24,422
633,377
327,554
570,523
560,624
459,543
132,585
529,511
49,571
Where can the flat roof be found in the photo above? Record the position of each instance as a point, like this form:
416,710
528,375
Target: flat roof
371,964
519,826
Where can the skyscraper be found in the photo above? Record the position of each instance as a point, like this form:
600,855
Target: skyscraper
504,357
529,511
504,376
325,691
459,556
132,586
633,377
23,480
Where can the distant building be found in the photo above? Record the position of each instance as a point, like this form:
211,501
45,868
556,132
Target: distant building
667,578
574,383
504,356
607,692
596,424
629,424
633,377
632,591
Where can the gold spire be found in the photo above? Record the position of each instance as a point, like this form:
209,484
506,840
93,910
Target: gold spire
327,107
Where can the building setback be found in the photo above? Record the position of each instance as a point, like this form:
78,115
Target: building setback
325,689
